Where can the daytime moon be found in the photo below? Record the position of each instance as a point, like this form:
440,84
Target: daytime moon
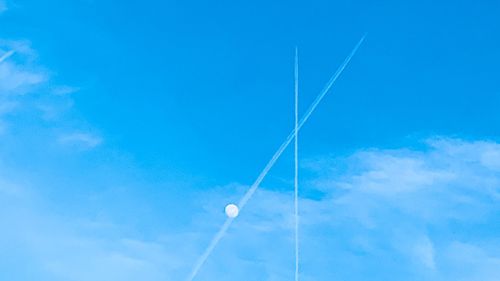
232,210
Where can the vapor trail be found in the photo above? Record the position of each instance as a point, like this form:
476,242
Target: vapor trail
302,121
248,195
296,180
6,56
210,248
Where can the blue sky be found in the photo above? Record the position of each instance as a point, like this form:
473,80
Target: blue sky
126,127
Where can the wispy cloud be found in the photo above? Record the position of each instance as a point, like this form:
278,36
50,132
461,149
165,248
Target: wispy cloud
18,77
64,90
469,262
15,79
25,88
398,214
401,208
6,55
80,139
60,249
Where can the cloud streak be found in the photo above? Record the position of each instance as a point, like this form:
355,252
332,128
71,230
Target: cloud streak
6,55
25,88
80,139
17,79
64,90
20,76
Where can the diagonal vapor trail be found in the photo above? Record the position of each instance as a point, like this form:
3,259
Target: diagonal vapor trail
302,121
210,248
6,56
248,195
296,165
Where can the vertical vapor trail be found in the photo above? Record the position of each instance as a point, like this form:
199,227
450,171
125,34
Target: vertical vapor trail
296,180
250,192
302,121
6,56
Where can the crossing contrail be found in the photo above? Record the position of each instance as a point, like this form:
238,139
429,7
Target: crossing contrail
6,56
248,195
302,121
296,160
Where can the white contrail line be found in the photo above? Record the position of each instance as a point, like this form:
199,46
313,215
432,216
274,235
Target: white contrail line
271,162
302,121
296,160
210,248
6,56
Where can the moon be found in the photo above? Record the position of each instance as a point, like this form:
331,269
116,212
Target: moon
232,211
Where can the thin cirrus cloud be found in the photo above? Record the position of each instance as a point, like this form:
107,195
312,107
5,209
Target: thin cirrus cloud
18,78
24,87
381,210
20,73
80,139
367,223
6,55
64,90
56,248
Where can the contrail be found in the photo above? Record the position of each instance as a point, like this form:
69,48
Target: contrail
302,121
248,195
210,248
6,56
296,180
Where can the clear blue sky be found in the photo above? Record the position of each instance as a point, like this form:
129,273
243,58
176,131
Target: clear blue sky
125,128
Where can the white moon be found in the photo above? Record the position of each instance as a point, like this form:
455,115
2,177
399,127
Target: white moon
232,211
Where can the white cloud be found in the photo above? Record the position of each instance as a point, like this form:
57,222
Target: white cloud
52,110
6,55
470,262
60,249
24,88
423,250
64,90
380,209
80,139
482,153
448,173
434,227
16,79
17,74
